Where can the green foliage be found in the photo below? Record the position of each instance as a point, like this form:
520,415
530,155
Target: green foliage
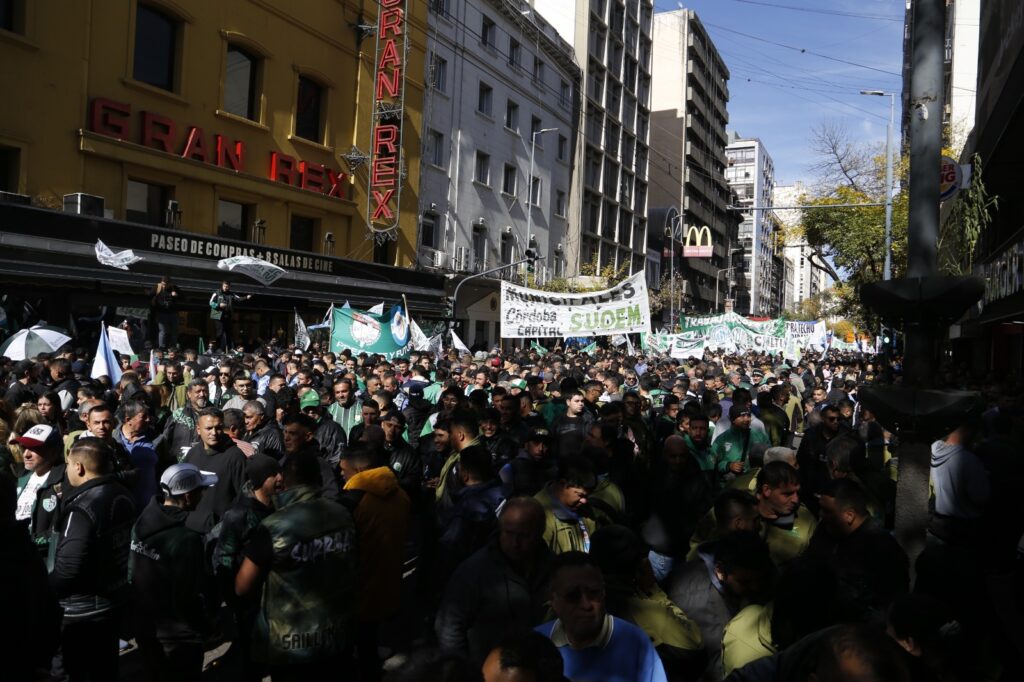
971,214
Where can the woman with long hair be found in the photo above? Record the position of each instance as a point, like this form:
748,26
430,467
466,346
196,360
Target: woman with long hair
51,409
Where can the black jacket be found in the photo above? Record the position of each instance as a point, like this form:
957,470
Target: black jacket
180,433
228,462
266,438
405,462
332,440
169,578
46,511
90,571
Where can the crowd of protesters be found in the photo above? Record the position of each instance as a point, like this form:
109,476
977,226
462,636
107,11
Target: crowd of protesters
497,516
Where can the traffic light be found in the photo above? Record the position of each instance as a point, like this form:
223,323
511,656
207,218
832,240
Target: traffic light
531,254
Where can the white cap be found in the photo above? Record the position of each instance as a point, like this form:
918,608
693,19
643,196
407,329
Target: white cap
179,479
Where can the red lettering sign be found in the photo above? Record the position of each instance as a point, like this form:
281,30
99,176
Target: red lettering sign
383,173
284,169
384,139
195,146
312,176
158,131
110,118
390,20
228,158
336,181
382,199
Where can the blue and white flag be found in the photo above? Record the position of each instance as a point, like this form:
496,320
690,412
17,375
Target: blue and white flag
152,366
105,364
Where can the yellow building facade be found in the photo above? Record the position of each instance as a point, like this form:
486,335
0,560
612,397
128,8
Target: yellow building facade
236,119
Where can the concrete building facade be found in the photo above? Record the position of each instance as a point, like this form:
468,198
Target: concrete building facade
613,46
751,174
502,88
688,140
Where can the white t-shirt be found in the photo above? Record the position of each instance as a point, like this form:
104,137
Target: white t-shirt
27,499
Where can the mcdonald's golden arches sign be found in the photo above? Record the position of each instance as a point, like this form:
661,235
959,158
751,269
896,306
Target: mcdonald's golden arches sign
703,248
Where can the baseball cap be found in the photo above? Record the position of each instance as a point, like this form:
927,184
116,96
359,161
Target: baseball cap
737,410
540,435
414,389
309,399
39,436
517,383
261,467
179,479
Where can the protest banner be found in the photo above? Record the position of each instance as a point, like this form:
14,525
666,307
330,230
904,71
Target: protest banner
361,331
622,309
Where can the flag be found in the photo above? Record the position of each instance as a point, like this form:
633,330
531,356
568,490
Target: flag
362,331
589,348
201,347
301,334
418,338
375,310
105,364
541,350
152,366
457,343
618,340
260,270
326,323
120,260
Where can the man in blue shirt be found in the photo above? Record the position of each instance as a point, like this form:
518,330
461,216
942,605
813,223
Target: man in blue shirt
595,645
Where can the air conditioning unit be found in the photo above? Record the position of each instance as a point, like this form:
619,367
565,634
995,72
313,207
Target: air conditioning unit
439,259
12,198
84,204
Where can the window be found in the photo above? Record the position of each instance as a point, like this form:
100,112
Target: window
560,203
535,190
428,231
240,84
483,101
565,94
309,110
439,73
480,248
488,33
535,128
232,218
506,248
563,147
301,238
482,169
12,16
512,116
440,6
434,153
515,52
508,180
146,203
538,69
10,169
156,47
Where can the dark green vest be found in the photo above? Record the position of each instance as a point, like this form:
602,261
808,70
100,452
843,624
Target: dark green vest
308,595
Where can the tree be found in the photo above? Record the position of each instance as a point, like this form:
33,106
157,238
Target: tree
853,238
671,295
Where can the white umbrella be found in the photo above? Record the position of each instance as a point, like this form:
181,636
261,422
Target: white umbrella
29,343
260,270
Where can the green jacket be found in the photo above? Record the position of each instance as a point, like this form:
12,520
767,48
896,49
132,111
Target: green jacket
432,392
607,503
563,530
734,446
704,456
308,597
747,637
346,417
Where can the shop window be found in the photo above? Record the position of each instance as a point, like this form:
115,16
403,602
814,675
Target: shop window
241,96
302,231
156,47
10,169
232,219
309,110
147,203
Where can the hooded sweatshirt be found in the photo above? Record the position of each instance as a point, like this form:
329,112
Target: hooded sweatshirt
381,511
167,571
959,481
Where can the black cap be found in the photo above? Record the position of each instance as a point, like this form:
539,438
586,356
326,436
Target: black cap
260,468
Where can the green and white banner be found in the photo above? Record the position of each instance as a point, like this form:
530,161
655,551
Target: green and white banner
734,333
623,309
361,331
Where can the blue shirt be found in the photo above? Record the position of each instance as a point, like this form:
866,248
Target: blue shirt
622,653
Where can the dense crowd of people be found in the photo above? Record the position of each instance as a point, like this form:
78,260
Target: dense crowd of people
497,516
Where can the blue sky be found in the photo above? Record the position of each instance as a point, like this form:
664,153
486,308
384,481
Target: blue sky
780,94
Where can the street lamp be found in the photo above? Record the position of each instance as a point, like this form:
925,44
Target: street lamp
887,271
529,180
718,278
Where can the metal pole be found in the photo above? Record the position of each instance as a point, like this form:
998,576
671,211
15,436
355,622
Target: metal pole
887,272
672,279
529,191
455,294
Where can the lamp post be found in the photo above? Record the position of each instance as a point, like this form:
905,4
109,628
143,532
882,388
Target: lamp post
529,180
887,270
670,251
718,278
